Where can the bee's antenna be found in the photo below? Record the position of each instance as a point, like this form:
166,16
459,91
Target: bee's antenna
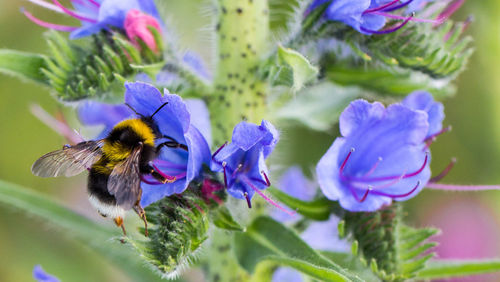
157,110
133,110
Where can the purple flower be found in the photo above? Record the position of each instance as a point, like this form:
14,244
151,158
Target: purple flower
41,276
423,101
96,15
381,156
243,160
366,16
174,121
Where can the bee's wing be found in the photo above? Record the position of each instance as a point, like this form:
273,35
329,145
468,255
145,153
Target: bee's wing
125,180
69,161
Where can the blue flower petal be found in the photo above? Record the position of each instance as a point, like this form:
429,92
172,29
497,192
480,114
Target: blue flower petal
323,235
95,113
422,100
113,12
199,153
294,183
348,11
154,193
287,274
86,30
246,135
388,156
41,276
200,117
244,157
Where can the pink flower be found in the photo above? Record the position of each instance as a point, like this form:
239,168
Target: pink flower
137,25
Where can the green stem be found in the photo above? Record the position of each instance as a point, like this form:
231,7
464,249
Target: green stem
242,41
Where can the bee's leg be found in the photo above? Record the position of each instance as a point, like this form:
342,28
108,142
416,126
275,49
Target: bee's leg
159,175
119,222
142,214
171,144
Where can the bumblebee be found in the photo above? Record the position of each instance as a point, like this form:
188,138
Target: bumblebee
116,165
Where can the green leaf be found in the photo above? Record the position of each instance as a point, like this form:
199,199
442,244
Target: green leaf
222,218
269,240
384,81
442,269
352,263
90,233
302,70
317,210
23,65
318,107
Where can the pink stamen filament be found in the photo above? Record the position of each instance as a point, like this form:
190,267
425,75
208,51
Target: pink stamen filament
168,177
452,8
397,196
268,183
444,172
433,136
46,5
269,200
58,126
406,19
236,170
73,14
381,7
46,24
249,202
374,167
218,150
384,178
353,192
397,7
224,164
342,167
453,187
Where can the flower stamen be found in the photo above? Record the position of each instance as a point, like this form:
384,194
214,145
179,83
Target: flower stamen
444,172
397,7
167,177
397,195
269,200
341,170
47,24
382,7
218,150
268,183
236,170
390,30
374,167
73,14
224,164
249,203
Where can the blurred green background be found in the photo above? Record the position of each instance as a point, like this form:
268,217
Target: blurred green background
470,222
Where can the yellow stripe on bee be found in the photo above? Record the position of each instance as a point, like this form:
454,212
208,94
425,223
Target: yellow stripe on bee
104,166
115,151
139,127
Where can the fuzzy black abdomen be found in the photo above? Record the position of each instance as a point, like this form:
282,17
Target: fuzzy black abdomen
98,183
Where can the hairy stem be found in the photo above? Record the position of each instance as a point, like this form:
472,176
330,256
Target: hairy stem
242,39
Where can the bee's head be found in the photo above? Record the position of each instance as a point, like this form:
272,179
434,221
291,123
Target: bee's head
149,119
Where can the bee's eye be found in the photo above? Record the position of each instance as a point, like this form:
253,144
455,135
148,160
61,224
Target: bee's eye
124,136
